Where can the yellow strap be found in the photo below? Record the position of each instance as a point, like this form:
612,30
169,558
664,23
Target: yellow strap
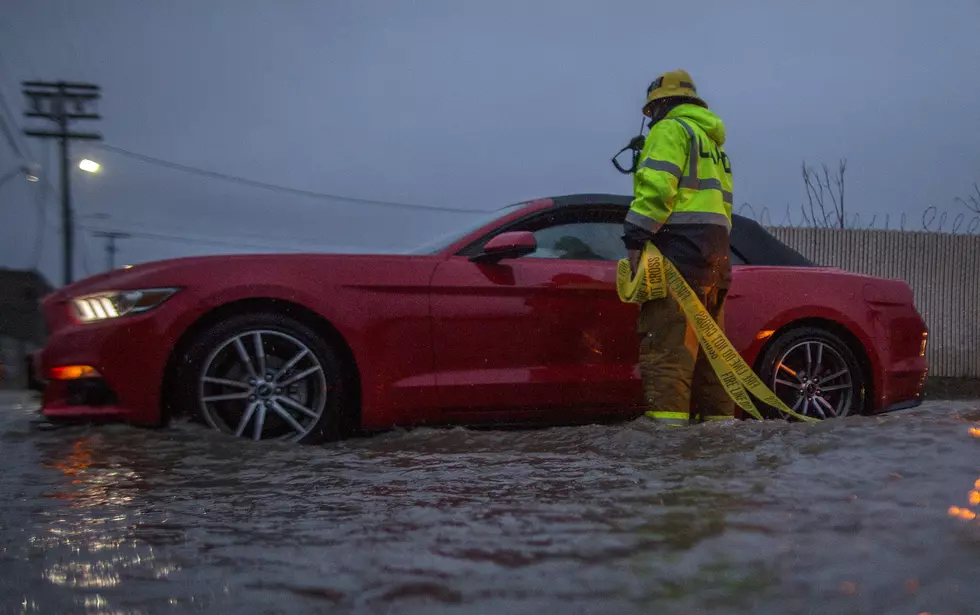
656,275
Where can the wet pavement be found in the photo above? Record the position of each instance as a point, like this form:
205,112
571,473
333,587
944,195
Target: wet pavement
865,515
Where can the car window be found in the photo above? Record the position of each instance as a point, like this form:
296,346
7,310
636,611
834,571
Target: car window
598,241
735,258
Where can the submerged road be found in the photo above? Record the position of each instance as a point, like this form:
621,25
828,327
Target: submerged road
864,515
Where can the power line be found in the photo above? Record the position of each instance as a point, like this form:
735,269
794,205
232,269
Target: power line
39,234
53,101
83,244
45,203
178,231
110,245
41,200
5,127
186,239
5,114
40,203
276,187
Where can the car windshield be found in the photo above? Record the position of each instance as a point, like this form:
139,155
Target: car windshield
440,243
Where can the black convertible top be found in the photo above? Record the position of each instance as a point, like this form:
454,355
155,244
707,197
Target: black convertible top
759,247
751,240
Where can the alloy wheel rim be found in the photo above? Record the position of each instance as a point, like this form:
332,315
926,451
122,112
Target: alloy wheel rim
814,379
263,384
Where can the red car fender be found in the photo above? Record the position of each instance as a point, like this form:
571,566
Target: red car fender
787,318
205,304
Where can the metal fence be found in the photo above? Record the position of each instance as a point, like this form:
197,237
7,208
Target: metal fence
942,268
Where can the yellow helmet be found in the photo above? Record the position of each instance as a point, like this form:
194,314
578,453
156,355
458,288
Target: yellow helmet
674,83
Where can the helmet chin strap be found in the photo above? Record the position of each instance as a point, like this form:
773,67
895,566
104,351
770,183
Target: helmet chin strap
636,145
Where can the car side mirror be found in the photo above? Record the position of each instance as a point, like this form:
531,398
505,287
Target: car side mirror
514,244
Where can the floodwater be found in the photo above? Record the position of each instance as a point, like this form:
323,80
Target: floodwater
864,515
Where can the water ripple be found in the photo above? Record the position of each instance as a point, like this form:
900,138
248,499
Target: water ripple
866,515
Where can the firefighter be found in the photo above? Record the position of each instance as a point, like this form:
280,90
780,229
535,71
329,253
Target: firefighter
682,187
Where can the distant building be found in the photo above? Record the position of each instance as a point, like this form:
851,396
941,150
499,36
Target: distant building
22,327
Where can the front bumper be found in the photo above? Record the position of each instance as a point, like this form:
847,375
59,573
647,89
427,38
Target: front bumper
129,356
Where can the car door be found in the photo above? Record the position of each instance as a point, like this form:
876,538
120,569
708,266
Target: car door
737,329
545,333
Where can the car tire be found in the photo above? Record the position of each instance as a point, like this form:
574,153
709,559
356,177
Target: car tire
233,395
844,393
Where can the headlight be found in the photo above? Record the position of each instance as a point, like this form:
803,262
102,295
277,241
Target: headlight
114,304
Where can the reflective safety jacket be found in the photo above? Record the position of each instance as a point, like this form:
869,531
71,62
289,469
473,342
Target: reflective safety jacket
683,195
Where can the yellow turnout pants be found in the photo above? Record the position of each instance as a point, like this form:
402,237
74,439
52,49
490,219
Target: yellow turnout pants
679,384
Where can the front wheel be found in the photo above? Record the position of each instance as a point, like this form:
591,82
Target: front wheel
815,373
263,376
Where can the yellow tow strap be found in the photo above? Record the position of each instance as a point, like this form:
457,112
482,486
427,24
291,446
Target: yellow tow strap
655,276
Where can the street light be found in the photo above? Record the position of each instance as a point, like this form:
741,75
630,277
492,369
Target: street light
88,165
30,173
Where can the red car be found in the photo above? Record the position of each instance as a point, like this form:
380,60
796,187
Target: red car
515,320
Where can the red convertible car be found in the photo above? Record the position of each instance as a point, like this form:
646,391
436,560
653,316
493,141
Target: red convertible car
513,321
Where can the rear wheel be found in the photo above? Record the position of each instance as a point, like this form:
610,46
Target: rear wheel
264,376
815,373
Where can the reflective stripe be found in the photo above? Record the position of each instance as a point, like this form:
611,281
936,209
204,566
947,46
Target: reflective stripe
691,180
644,222
660,414
711,183
699,217
662,165
671,419
719,417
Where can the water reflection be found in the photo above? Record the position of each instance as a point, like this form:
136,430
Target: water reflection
962,513
629,518
973,496
96,523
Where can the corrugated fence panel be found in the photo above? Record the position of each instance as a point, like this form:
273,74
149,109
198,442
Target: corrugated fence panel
943,270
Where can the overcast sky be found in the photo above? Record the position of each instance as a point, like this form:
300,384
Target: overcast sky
466,104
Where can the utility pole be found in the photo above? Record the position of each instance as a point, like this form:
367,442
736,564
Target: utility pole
50,101
110,245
